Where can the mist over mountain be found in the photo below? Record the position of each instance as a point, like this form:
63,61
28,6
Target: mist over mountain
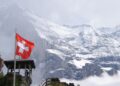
74,52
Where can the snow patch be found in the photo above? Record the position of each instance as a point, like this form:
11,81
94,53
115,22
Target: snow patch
59,69
79,63
106,68
56,52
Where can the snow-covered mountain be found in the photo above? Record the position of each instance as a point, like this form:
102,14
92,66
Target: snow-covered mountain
60,51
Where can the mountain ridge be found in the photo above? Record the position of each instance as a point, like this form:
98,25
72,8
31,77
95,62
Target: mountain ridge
59,50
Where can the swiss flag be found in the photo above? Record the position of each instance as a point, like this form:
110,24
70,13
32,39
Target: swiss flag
23,47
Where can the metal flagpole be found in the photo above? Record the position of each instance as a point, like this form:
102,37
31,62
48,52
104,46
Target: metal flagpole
14,77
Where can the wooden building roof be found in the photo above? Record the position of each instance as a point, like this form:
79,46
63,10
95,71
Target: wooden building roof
20,64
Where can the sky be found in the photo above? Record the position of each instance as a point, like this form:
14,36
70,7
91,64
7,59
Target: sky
98,13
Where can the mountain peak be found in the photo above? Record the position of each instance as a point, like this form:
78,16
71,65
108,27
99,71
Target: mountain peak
56,46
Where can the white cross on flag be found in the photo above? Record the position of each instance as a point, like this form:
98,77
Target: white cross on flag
23,47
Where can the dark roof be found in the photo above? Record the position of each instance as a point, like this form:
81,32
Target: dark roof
20,64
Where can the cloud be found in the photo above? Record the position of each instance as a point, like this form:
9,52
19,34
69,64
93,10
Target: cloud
95,12
104,80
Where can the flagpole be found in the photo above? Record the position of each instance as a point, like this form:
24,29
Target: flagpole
14,77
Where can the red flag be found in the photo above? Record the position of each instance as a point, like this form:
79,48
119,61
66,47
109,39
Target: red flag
23,47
